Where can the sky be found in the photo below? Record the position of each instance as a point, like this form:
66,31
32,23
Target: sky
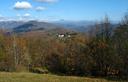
52,10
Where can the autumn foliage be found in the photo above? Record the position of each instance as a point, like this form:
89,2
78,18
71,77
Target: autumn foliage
103,53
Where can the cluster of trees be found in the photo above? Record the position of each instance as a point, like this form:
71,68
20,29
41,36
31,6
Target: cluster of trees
104,52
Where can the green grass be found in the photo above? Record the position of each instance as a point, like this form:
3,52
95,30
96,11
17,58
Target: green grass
30,77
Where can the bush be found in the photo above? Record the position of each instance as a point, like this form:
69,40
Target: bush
39,70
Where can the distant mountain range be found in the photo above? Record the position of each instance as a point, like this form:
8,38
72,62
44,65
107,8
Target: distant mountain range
80,26
53,27
35,26
10,24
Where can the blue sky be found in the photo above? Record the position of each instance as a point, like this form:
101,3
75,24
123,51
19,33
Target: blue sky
62,9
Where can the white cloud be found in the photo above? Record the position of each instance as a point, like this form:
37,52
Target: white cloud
40,8
22,5
18,15
26,15
1,15
3,18
48,1
23,17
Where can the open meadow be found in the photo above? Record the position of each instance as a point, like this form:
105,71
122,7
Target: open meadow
31,77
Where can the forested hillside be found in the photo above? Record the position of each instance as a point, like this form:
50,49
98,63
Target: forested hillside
102,52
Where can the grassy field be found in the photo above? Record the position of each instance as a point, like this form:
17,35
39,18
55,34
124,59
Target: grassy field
30,77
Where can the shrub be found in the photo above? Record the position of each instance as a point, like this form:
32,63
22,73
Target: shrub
39,70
